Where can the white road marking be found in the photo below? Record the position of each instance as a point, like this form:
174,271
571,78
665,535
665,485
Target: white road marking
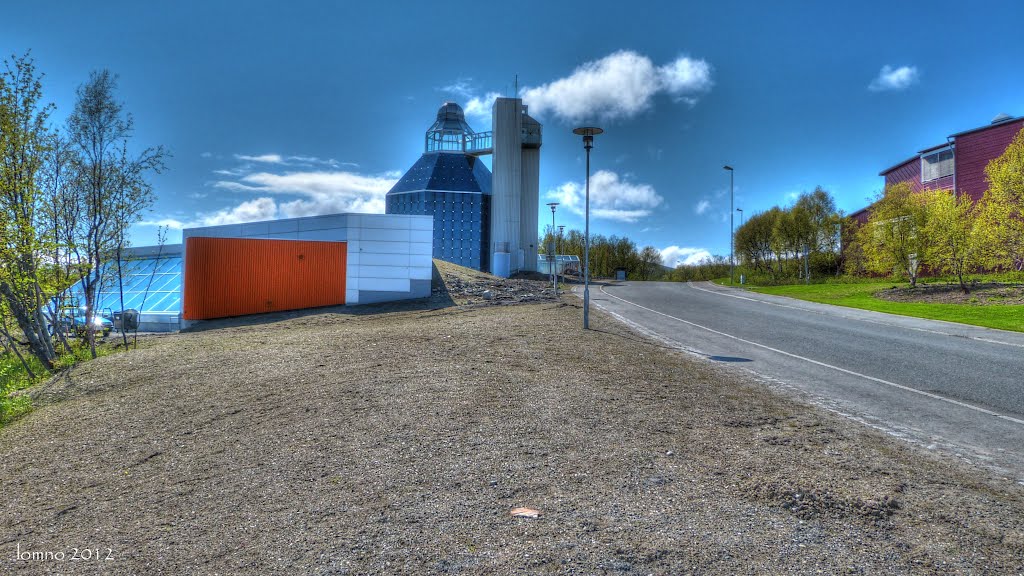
823,364
879,322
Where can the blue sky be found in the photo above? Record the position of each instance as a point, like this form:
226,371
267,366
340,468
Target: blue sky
276,109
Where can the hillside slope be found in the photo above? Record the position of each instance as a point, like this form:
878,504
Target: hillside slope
345,442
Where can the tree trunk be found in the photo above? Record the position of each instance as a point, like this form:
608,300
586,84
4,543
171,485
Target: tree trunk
39,349
120,290
14,348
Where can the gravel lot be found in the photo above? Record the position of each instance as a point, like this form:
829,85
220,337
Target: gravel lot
390,441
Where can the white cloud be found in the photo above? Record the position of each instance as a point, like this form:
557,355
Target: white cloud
301,192
894,79
250,211
702,207
319,192
479,108
611,197
264,158
312,160
171,223
685,76
461,88
620,85
675,255
307,161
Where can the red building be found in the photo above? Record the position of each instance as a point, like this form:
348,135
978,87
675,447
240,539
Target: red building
957,164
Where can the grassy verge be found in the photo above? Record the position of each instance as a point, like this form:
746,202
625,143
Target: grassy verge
861,295
14,378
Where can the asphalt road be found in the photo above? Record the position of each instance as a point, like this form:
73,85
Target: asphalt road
947,387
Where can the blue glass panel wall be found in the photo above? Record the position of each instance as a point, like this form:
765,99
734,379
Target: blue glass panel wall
456,190
461,221
151,285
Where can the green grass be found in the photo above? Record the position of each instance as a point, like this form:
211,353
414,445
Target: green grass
14,378
861,295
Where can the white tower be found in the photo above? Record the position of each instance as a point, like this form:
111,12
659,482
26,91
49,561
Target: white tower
515,187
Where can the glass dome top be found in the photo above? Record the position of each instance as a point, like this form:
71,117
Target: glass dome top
450,131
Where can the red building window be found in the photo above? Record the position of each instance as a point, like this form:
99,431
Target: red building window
938,164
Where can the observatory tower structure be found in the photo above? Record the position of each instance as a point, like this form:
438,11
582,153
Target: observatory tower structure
482,220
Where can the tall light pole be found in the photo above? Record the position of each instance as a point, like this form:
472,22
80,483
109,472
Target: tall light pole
732,221
588,133
554,255
560,228
740,210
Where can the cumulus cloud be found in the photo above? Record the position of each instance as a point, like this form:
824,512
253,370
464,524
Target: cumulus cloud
318,192
479,107
620,85
685,76
249,211
611,197
702,207
290,194
676,255
894,79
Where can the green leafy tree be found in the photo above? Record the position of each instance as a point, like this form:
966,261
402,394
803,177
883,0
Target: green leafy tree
23,144
956,235
114,191
1002,208
822,221
650,263
894,239
754,241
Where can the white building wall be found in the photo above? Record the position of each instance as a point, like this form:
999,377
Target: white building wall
388,255
529,200
506,170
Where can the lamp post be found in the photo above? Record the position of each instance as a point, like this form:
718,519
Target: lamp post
560,228
588,133
554,255
740,210
732,214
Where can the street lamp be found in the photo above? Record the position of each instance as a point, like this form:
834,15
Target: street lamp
553,256
588,133
560,228
740,210
732,215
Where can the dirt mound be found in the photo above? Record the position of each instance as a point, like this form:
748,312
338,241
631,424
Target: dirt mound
981,294
468,286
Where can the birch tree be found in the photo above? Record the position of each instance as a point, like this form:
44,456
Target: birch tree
114,189
894,239
23,144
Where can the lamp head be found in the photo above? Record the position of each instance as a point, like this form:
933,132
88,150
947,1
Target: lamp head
588,133
727,167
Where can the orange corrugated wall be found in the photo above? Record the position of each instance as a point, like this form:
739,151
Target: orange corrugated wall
237,276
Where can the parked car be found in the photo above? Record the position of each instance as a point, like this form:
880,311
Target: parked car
71,320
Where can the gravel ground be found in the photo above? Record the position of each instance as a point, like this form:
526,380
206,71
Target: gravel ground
383,441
